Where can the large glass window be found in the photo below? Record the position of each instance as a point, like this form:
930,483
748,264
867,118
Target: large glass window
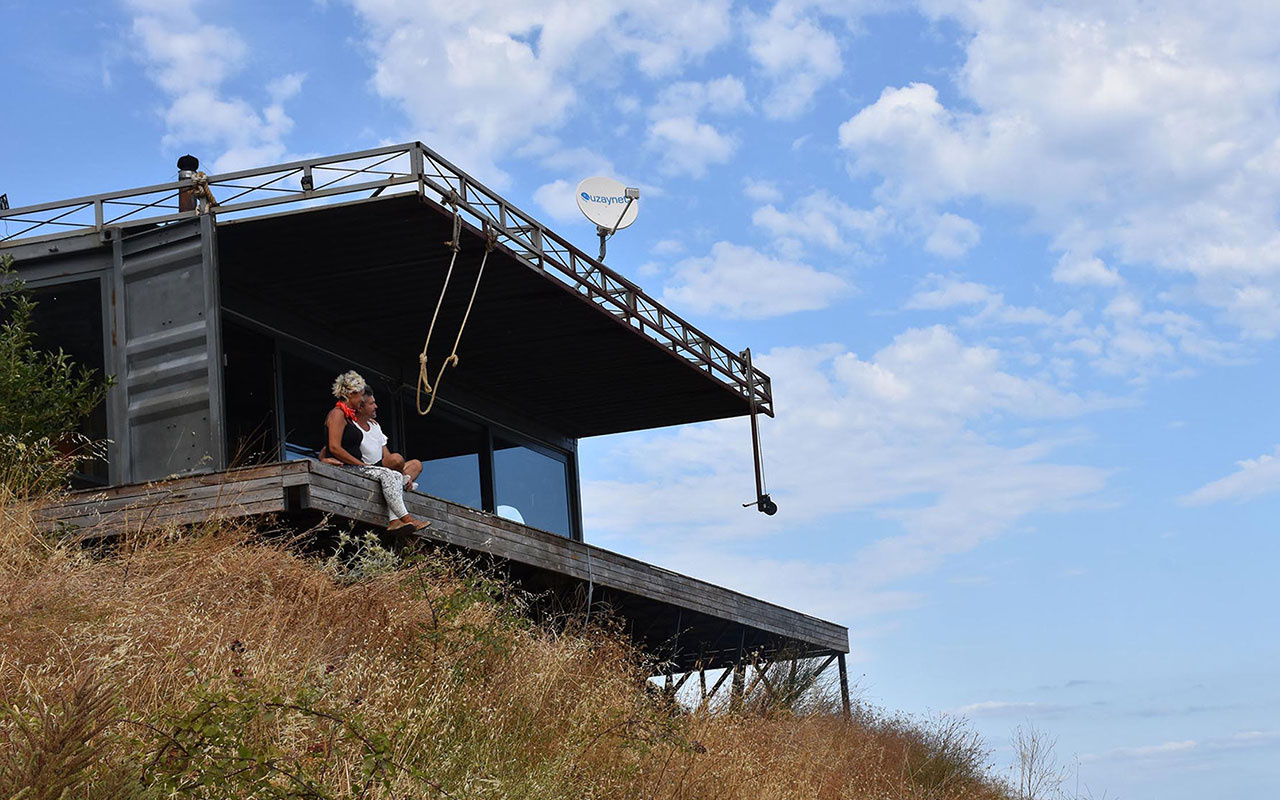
531,486
450,450
306,401
249,380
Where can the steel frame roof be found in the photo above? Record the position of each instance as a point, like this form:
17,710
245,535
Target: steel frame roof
411,167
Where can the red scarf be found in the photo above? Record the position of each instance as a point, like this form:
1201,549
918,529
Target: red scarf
347,411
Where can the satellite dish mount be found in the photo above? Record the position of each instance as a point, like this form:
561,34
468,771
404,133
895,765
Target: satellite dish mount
609,204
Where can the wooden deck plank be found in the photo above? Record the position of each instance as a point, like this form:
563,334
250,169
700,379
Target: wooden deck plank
244,504
213,493
346,494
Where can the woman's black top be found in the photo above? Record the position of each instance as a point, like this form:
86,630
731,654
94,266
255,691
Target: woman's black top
352,436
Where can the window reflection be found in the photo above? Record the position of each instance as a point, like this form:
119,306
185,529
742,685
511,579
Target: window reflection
449,450
532,483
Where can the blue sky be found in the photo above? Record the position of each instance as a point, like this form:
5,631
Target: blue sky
1012,267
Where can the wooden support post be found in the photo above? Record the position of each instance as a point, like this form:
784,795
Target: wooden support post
818,673
761,677
702,681
844,687
719,682
736,689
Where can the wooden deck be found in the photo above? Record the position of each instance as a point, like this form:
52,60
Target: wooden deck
681,620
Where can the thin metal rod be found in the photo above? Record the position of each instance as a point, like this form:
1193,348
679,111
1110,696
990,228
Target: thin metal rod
755,425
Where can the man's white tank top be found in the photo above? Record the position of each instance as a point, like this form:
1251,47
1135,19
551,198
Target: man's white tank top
372,443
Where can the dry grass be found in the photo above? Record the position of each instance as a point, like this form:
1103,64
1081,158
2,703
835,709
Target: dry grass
216,664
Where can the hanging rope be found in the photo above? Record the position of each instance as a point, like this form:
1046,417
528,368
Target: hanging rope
424,381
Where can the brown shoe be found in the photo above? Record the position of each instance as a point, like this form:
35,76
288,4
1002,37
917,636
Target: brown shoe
401,525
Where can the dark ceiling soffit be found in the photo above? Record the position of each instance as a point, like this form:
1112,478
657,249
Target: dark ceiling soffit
474,240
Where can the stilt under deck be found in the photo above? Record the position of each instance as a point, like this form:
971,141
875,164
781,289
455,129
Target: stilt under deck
688,626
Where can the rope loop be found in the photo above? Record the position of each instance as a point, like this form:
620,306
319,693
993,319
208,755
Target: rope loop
424,377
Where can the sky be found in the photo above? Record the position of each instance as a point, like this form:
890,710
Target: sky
1013,268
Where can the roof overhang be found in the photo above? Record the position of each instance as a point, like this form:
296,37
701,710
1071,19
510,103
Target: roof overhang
325,243
374,270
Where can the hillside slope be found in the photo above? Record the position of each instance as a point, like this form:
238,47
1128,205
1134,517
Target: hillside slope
221,663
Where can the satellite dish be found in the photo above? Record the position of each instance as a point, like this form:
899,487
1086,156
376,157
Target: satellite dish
609,204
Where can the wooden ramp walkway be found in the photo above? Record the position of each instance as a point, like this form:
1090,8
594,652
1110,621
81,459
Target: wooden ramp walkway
687,623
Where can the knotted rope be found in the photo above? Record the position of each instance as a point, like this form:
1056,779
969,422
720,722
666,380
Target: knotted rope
424,381
202,193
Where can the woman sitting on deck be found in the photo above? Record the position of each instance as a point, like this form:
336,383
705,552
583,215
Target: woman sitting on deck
344,436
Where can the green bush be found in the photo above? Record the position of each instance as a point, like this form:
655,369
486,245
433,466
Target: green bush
44,398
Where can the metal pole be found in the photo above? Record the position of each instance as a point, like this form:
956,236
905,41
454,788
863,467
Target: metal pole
755,426
844,687
764,503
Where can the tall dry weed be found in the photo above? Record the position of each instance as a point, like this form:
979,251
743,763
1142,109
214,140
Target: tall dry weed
226,665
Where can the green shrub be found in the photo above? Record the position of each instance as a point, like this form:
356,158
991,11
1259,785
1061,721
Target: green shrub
44,398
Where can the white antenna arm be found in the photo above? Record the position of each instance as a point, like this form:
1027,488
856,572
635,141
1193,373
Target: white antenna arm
633,194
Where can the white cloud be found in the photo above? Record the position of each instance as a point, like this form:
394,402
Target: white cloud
689,144
952,236
725,95
1151,133
893,439
1078,270
796,54
823,219
761,190
1003,708
948,292
1143,752
190,60
557,199
938,292
1254,477
668,247
476,80
741,282
1183,748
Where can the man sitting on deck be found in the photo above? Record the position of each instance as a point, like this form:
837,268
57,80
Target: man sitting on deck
373,447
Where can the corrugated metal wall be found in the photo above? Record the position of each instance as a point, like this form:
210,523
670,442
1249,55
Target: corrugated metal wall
167,411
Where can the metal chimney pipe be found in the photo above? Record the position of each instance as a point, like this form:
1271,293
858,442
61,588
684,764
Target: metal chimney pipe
187,166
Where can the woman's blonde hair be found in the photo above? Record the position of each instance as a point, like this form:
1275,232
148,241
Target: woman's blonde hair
347,383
